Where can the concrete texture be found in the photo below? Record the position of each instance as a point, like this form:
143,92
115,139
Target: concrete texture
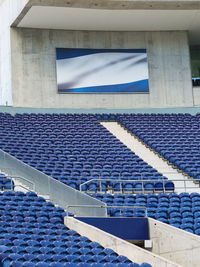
34,69
14,110
196,95
107,4
9,9
174,244
132,252
5,55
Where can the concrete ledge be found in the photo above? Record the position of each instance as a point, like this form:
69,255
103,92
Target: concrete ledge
25,7
134,253
14,110
174,244
196,95
111,4
121,4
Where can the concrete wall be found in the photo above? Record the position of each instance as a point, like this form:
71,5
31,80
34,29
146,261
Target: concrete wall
16,7
9,9
174,244
122,247
196,94
34,68
5,55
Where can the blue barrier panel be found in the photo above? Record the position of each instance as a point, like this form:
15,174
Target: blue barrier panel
125,228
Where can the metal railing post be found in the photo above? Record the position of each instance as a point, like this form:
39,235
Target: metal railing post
100,206
24,179
142,181
163,185
120,183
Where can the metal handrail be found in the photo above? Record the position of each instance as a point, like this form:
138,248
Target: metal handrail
104,206
120,181
22,187
24,179
18,177
142,181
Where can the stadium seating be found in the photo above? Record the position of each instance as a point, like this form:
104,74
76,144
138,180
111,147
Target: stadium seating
75,148
179,210
175,137
32,233
5,183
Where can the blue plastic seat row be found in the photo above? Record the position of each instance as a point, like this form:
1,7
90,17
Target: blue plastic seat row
40,238
171,208
5,182
174,136
147,186
48,142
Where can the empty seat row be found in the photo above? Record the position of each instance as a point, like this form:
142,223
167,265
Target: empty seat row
5,182
175,137
179,210
74,146
40,238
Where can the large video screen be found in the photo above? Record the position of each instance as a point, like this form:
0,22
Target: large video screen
102,70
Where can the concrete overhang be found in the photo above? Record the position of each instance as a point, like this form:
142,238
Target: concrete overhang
112,15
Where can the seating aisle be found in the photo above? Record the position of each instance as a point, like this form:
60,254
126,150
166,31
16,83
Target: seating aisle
151,158
175,137
75,148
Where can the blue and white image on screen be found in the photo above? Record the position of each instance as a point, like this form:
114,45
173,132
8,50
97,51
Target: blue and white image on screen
102,70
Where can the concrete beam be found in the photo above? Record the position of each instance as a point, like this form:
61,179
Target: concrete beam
120,246
23,13
175,244
111,4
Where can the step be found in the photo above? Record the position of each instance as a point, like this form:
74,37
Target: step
152,158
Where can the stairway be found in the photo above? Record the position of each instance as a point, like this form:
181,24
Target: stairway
152,158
